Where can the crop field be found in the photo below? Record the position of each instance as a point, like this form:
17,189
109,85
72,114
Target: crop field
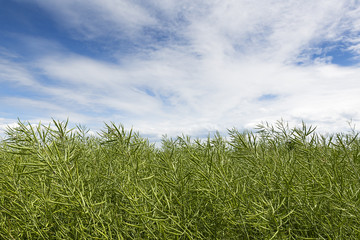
275,183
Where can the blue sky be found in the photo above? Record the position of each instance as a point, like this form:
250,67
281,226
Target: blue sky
172,67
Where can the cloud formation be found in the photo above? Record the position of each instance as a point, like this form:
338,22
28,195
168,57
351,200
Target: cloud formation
191,67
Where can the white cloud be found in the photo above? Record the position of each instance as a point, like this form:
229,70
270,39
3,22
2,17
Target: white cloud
15,73
211,75
95,18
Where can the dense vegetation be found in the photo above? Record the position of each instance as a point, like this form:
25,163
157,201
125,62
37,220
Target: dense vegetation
277,183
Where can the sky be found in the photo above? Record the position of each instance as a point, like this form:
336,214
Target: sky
180,67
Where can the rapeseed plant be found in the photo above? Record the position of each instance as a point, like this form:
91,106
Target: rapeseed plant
275,183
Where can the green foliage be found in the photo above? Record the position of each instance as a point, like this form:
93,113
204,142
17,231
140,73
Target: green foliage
277,183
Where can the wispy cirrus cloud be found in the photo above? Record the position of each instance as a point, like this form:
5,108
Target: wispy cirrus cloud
98,18
193,66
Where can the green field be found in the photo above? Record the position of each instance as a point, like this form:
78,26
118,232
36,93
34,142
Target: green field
275,183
